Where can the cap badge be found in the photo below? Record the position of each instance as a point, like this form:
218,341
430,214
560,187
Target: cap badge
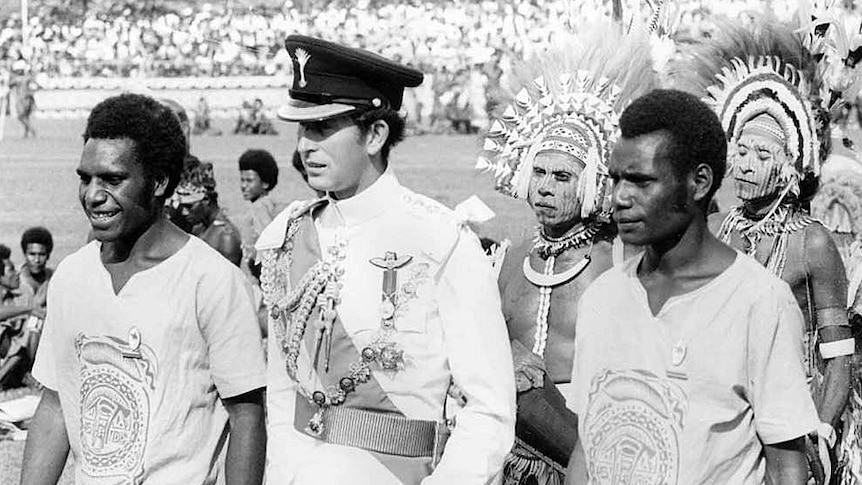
302,57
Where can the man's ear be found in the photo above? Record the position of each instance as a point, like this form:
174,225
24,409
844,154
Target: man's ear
160,187
702,180
377,135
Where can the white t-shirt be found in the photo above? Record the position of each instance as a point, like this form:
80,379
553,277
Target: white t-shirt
140,373
692,394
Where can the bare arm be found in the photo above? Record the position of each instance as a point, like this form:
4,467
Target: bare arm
785,463
829,298
12,311
230,247
836,379
47,443
247,443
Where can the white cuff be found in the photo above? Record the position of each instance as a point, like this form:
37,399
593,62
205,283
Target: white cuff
830,350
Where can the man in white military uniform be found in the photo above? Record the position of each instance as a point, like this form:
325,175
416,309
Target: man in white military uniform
380,301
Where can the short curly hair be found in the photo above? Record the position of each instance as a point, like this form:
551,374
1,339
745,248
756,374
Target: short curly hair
261,162
159,142
37,235
397,126
692,131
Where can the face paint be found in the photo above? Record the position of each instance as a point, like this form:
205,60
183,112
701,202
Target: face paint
757,166
553,191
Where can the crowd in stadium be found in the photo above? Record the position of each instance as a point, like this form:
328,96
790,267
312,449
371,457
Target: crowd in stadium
465,48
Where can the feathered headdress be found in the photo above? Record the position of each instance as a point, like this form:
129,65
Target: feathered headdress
569,101
757,67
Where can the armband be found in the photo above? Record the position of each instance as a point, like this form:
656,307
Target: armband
830,350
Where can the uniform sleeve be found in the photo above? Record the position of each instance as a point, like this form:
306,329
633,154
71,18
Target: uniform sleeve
45,369
481,364
783,408
228,321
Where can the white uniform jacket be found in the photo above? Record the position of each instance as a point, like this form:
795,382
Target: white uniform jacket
449,326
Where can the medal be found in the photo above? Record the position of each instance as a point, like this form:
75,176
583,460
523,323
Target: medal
389,263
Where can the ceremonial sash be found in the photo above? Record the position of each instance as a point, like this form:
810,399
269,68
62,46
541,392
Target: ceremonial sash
366,396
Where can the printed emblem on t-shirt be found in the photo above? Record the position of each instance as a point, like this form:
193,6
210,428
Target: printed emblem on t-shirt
632,427
117,380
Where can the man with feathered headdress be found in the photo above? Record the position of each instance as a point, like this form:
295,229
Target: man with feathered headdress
550,146
762,81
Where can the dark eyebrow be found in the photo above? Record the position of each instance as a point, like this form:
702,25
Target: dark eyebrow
633,176
318,126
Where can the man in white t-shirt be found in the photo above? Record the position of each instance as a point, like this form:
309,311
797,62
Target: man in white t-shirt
688,357
151,355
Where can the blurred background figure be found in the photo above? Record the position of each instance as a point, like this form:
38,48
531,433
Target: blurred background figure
36,244
203,119
22,99
181,115
16,356
258,172
194,208
252,120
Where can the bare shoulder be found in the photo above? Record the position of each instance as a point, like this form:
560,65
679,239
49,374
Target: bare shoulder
818,239
820,248
821,252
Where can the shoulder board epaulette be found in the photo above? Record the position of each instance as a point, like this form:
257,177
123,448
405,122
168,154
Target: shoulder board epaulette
273,235
442,230
423,205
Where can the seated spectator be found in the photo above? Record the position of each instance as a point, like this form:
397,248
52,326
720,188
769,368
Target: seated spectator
36,244
252,120
194,208
15,358
244,120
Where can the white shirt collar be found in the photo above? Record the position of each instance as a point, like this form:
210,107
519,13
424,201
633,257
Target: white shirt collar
364,206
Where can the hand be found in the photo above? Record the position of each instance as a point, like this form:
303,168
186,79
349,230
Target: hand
820,459
529,368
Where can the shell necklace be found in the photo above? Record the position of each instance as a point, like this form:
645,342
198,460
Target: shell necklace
549,248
